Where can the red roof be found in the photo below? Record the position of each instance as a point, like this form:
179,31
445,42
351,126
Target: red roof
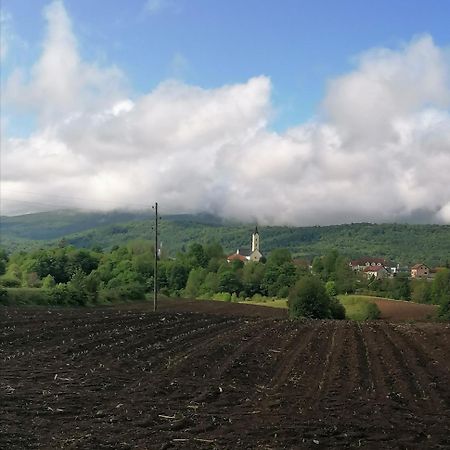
236,257
373,268
363,261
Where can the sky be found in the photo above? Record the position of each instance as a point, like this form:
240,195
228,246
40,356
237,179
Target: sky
293,112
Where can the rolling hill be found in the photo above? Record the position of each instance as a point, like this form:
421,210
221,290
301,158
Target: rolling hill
403,243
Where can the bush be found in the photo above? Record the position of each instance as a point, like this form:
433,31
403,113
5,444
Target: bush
10,282
3,296
25,296
373,312
310,299
444,309
131,291
337,309
222,296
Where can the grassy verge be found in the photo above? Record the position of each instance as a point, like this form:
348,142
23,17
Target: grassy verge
25,296
359,307
278,303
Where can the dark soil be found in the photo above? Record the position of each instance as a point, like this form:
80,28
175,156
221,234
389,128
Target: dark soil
128,378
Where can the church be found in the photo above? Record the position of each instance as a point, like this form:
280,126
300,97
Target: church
246,254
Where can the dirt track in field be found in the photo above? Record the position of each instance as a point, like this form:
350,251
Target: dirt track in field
127,378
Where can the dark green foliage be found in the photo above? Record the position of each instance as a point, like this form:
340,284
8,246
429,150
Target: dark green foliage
421,291
229,282
9,281
196,278
252,278
309,299
2,266
178,275
3,295
196,256
373,312
25,296
405,244
399,288
441,293
337,309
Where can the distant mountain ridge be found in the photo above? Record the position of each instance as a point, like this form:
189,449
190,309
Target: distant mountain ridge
405,244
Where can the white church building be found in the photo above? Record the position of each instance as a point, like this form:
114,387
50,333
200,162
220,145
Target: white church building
246,254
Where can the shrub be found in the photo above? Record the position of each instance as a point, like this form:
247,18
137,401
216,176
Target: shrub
309,299
337,309
48,282
330,286
8,281
223,296
26,296
3,296
373,312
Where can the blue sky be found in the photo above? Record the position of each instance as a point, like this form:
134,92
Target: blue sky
299,44
275,112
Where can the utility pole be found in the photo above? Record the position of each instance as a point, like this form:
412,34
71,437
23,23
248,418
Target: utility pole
155,273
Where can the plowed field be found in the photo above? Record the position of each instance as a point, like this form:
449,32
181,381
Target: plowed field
132,379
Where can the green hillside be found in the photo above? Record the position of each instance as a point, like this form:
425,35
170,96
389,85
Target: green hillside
401,243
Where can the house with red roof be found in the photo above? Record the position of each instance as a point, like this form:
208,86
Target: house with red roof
362,263
375,271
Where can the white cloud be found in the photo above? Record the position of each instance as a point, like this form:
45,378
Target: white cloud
60,83
381,153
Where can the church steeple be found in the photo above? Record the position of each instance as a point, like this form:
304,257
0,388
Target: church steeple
255,240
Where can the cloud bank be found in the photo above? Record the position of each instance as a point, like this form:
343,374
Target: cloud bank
380,151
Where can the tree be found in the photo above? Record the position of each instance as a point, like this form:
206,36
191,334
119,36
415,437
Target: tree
317,266
441,293
252,277
399,288
421,291
214,250
229,282
196,256
279,256
344,276
194,281
330,287
309,299
177,276
48,282
211,284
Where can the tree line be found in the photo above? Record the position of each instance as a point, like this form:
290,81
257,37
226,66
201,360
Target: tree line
73,276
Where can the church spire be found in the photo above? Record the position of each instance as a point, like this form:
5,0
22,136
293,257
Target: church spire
255,239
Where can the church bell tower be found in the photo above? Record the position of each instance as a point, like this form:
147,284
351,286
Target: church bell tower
255,240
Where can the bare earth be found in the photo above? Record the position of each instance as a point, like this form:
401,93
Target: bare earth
401,310
227,377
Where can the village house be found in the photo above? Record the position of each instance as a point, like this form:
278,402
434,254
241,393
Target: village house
420,271
362,263
378,272
244,254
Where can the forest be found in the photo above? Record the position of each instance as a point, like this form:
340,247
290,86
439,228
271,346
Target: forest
404,244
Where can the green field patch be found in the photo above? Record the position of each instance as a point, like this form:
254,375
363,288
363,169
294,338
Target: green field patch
359,307
272,303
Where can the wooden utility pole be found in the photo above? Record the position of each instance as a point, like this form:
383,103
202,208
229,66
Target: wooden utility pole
155,273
